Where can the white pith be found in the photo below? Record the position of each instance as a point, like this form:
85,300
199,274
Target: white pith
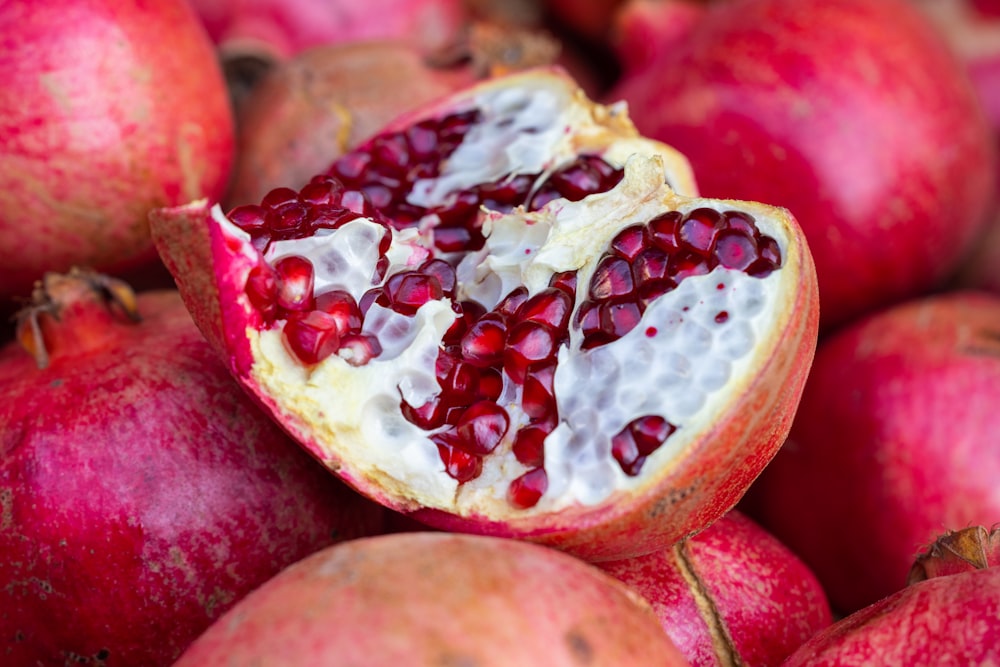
685,373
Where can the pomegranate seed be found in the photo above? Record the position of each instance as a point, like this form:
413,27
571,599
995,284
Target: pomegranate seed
543,196
612,278
525,491
721,317
444,273
483,344
322,191
734,250
279,197
565,280
640,438
468,312
509,305
699,229
295,283
358,349
430,415
342,306
312,337
461,382
482,427
408,290
741,222
552,307
490,384
422,139
630,241
249,218
619,317
352,166
663,231
529,445
456,239
686,265
651,264
460,465
391,152
538,397
262,290
461,212
528,343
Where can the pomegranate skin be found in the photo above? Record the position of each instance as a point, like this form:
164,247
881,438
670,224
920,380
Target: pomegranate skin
438,599
108,109
941,622
854,115
142,493
896,436
731,592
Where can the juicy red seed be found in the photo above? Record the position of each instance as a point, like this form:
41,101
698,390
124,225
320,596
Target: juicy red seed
686,265
619,317
483,343
612,278
699,229
391,152
461,383
468,312
663,231
528,343
368,298
322,191
289,220
565,281
358,349
249,218
640,438
357,201
444,273
428,416
588,317
422,139
279,197
526,490
630,241
552,307
312,337
650,264
481,428
342,307
352,166
741,222
509,304
461,211
325,216
734,250
538,399
456,239
529,445
507,193
408,290
543,196
460,465
490,384
262,289
769,251
295,282
721,317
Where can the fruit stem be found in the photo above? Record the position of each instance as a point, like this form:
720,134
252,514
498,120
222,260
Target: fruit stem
972,548
62,313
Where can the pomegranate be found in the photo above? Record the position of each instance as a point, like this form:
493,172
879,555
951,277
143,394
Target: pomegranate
108,109
947,619
141,492
855,115
729,595
896,436
438,599
325,100
465,316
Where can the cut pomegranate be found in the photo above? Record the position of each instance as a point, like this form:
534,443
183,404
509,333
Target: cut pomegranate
562,373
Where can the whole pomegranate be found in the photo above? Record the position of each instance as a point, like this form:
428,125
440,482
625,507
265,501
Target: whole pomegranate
897,435
108,108
855,115
141,491
730,594
438,599
949,618
502,314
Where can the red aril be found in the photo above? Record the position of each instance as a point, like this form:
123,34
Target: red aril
896,436
438,599
730,594
854,115
108,109
142,493
945,619
519,260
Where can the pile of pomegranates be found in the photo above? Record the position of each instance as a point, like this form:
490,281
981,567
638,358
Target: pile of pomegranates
457,332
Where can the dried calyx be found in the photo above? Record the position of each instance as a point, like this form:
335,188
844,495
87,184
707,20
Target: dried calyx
467,314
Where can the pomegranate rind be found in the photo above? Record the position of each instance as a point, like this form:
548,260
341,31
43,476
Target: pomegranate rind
434,599
953,620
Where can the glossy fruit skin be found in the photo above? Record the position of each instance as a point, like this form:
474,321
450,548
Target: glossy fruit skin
895,437
946,621
142,493
764,602
854,115
108,109
438,599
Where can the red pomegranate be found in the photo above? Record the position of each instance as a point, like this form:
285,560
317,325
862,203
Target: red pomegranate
855,115
325,100
896,436
946,619
731,594
108,109
465,319
438,599
141,491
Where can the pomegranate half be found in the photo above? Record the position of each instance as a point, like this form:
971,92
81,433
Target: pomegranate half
499,316
438,599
